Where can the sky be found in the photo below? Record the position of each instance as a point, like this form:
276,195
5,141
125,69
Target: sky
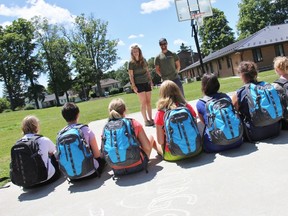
141,22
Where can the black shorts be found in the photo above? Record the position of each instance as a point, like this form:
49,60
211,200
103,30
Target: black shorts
143,87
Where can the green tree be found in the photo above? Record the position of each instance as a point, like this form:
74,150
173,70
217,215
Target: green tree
12,50
29,64
156,79
4,104
110,74
122,74
253,16
40,92
279,11
215,33
183,47
93,52
256,15
54,51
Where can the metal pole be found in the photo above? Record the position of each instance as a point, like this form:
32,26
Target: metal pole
197,45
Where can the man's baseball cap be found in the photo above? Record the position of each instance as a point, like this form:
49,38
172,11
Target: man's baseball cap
162,40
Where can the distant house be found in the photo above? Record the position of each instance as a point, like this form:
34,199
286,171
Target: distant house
127,88
50,100
261,47
107,85
186,58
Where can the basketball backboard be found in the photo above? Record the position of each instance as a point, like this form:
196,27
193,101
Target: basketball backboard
191,9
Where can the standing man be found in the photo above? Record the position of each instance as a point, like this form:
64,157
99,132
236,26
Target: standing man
167,65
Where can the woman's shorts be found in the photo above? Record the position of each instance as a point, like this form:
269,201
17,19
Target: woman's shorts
143,87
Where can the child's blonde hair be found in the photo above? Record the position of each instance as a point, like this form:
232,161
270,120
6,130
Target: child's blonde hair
30,124
170,96
281,63
116,108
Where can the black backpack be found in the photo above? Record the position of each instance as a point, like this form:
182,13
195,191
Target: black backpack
27,167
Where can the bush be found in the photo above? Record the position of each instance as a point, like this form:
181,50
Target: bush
7,110
29,107
93,95
114,91
19,108
4,104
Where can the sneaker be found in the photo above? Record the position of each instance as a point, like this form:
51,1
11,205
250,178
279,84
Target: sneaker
148,123
152,122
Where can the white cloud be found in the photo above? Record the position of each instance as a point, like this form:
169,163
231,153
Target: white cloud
136,36
5,24
121,43
213,1
33,8
132,36
179,42
134,44
155,5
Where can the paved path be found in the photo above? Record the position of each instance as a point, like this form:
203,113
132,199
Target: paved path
252,180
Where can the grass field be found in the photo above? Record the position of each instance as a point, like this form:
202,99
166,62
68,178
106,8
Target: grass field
51,120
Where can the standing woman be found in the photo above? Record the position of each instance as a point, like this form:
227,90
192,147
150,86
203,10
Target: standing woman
141,82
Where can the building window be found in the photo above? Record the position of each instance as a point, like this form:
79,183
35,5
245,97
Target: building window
279,50
219,64
257,55
228,62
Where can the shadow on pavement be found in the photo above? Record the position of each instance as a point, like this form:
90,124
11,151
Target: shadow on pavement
88,184
279,140
245,149
39,192
141,177
199,160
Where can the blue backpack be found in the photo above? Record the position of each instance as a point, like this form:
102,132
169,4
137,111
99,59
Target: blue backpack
264,103
224,124
121,148
182,134
73,153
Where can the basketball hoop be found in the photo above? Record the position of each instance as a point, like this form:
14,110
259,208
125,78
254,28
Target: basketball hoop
199,21
196,15
194,10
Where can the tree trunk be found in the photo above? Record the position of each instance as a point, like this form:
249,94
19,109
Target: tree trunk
12,106
34,93
67,96
57,99
99,88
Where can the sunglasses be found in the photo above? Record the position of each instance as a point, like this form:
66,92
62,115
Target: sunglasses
163,44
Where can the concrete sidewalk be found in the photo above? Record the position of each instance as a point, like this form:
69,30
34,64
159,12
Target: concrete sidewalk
252,180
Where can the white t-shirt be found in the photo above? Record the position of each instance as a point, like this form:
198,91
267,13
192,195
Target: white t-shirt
46,147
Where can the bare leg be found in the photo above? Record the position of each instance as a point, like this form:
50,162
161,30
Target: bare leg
142,99
148,105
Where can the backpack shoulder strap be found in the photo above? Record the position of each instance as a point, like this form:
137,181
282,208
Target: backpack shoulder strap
206,98
79,126
281,82
129,121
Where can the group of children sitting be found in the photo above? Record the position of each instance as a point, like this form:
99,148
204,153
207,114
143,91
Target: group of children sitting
255,112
